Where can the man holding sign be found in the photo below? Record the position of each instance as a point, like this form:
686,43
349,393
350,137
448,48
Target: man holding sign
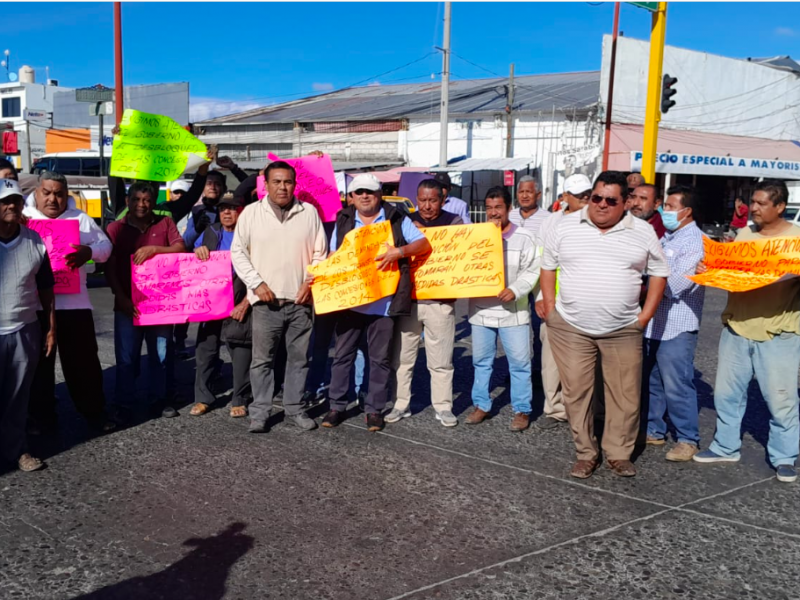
436,317
138,237
375,319
275,242
77,343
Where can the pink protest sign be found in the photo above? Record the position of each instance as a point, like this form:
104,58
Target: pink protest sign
179,288
316,184
57,235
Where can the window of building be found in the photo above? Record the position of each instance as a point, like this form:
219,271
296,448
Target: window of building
12,107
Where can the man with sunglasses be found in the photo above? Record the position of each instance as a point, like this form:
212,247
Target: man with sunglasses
601,254
577,189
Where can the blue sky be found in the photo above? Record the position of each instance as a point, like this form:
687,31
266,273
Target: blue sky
242,55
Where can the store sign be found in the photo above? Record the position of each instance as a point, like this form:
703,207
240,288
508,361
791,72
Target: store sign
35,115
710,164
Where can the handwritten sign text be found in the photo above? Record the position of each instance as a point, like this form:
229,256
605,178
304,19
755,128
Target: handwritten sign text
57,235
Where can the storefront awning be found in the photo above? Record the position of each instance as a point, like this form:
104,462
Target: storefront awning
697,153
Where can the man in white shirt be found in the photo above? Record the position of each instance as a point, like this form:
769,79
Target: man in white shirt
601,254
528,215
77,343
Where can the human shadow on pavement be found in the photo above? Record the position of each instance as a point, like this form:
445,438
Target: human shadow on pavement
200,575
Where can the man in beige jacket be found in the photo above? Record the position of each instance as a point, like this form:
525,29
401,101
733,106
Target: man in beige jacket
276,240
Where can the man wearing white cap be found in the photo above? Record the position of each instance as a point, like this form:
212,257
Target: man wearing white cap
577,189
376,319
22,253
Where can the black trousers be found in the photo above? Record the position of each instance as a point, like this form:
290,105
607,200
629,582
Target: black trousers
321,337
349,328
77,349
206,356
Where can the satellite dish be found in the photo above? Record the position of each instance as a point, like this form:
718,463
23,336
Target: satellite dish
12,76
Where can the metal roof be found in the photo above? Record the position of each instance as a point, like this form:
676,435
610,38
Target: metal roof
468,98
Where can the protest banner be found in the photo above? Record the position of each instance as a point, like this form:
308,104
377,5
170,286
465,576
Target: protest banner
466,262
179,288
154,147
744,266
350,277
57,235
316,184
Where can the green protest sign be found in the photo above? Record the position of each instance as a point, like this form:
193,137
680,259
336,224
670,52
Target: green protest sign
154,147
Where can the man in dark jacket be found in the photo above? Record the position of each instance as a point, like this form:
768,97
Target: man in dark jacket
235,331
376,319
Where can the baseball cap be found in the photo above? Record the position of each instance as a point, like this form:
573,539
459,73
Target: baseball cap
443,178
9,187
365,181
231,199
577,184
180,185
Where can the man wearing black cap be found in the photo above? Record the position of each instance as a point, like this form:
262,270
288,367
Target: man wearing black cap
452,204
235,329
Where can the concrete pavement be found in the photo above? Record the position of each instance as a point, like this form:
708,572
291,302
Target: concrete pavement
194,508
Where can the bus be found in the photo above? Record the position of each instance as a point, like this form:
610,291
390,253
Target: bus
83,164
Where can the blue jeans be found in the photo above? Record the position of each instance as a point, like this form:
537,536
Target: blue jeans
128,340
517,344
774,363
669,372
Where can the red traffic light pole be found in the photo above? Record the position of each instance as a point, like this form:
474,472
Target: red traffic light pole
610,100
118,61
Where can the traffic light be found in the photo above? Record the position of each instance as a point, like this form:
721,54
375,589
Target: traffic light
667,92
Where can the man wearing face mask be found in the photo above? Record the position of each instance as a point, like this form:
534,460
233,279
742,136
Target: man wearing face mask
77,343
670,338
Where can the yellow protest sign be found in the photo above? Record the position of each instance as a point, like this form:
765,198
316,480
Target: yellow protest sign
154,147
744,266
466,262
350,277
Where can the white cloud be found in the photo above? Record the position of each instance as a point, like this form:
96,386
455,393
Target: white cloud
201,108
322,87
785,31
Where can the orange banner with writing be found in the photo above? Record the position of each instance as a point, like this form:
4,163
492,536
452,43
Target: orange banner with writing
350,277
466,262
744,266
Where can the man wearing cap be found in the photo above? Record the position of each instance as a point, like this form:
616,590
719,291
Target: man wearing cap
437,318
577,189
77,343
634,180
375,319
528,215
236,330
275,242
452,204
600,254
22,253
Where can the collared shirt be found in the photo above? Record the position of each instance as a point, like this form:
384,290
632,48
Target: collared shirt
458,207
548,223
522,274
601,272
380,307
531,223
127,239
681,307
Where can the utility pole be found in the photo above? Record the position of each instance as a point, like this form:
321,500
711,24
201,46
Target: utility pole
443,109
652,114
610,100
118,61
510,113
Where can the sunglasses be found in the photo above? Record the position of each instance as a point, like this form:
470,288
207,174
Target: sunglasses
610,201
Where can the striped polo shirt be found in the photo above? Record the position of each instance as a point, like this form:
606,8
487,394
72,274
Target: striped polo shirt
531,223
600,277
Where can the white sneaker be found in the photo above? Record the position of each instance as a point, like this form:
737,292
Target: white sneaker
395,415
447,418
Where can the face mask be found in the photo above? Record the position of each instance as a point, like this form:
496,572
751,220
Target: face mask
660,210
670,219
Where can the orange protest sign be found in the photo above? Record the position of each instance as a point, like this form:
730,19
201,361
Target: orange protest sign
744,266
350,277
466,262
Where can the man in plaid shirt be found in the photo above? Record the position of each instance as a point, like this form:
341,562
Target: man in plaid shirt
670,339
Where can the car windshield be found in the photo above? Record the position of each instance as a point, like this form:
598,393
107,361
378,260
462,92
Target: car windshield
791,212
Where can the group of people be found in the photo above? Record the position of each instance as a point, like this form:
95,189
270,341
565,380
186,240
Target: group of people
604,276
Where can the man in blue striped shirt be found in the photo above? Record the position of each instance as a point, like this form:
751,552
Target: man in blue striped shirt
670,339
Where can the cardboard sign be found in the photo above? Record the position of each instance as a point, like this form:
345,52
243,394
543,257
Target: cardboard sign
466,262
154,148
316,184
350,277
744,266
179,288
57,235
